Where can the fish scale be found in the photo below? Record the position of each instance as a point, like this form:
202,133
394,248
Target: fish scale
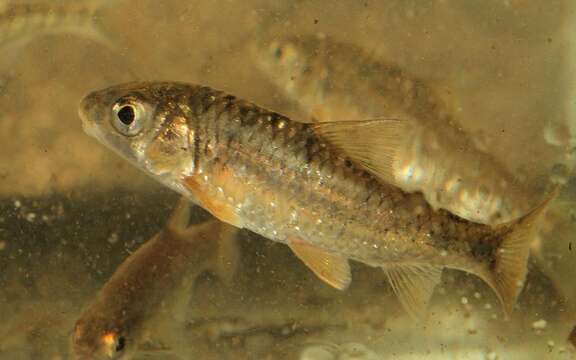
319,188
235,154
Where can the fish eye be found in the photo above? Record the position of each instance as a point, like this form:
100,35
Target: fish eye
120,343
128,117
126,114
114,344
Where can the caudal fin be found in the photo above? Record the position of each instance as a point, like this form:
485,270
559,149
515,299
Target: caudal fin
509,270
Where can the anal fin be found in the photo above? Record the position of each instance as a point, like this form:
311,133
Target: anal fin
332,269
414,285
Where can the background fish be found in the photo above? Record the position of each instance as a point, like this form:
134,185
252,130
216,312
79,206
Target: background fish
150,284
335,81
22,22
319,188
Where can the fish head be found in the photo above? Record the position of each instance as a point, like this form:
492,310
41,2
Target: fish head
96,338
294,63
144,122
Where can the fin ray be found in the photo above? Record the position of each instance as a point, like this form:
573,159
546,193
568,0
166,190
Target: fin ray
332,269
372,144
414,285
512,256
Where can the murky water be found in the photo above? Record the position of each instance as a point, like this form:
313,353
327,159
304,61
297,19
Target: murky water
71,211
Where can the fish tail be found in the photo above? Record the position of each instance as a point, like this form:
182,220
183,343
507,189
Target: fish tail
93,29
96,5
509,268
103,4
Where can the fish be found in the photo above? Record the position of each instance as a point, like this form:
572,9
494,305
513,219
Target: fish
572,337
151,284
21,22
336,81
320,188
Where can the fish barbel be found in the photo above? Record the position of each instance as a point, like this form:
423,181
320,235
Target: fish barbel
319,188
334,80
149,285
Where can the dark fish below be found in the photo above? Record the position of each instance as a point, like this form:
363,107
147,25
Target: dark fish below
319,188
150,285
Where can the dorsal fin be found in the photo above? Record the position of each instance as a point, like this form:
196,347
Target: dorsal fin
371,144
414,285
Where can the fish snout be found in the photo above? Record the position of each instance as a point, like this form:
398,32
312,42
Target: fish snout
90,113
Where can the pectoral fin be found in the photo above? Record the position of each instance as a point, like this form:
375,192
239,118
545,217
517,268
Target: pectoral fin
228,260
372,144
180,216
332,269
414,285
220,209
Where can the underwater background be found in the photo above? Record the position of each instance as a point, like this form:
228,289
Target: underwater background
71,210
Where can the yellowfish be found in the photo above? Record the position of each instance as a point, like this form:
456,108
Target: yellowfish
149,285
320,188
336,81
